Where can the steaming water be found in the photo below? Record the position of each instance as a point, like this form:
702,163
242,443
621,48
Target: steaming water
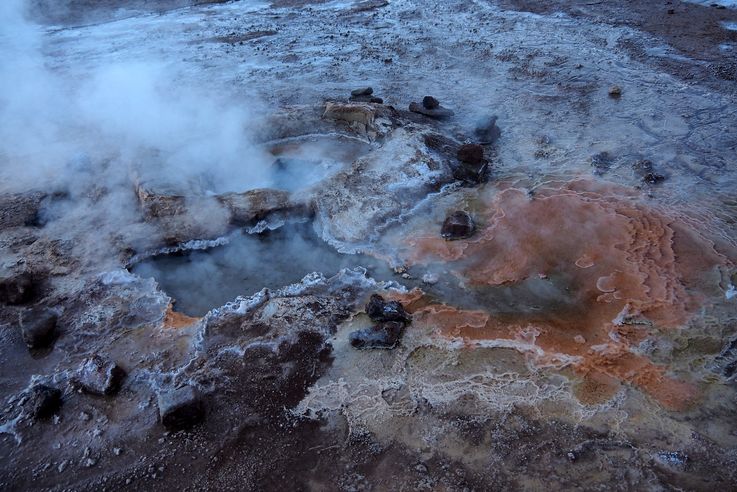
199,281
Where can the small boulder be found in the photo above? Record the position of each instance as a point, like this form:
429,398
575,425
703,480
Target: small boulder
471,154
437,113
38,327
16,289
615,92
43,401
181,408
382,336
486,131
100,376
429,102
458,225
363,91
380,310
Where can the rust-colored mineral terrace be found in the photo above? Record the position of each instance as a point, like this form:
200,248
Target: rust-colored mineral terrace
626,270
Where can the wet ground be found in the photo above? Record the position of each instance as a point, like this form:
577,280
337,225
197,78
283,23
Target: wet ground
190,192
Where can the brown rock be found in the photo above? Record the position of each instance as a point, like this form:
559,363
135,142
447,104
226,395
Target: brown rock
471,154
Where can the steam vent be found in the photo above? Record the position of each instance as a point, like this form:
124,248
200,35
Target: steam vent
368,245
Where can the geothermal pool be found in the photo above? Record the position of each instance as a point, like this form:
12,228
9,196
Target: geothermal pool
368,245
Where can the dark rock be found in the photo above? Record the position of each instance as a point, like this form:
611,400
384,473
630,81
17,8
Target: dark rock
363,91
38,327
429,102
16,289
367,99
43,401
471,174
100,376
486,131
615,92
181,408
653,178
601,162
646,171
458,225
471,154
379,310
437,113
382,336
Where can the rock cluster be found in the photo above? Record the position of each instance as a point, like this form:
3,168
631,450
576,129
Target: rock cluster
390,318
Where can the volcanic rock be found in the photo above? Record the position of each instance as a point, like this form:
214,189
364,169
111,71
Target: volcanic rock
16,289
181,408
429,102
38,327
382,336
471,154
43,401
363,91
486,131
100,376
379,310
437,113
458,225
